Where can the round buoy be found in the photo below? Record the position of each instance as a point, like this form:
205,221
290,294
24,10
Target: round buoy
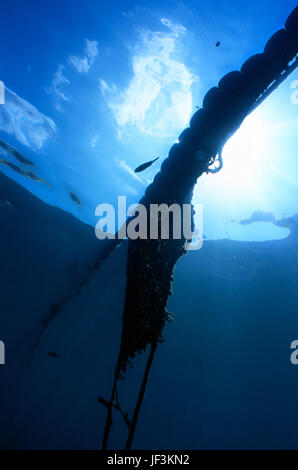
281,49
292,22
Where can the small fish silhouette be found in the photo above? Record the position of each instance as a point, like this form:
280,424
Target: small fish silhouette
145,165
21,171
53,354
74,197
103,402
16,154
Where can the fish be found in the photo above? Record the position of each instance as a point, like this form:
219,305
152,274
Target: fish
16,154
21,171
53,354
74,198
145,165
103,402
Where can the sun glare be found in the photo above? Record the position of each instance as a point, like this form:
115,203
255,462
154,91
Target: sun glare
244,156
242,184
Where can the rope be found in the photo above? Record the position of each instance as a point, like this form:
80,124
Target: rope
140,398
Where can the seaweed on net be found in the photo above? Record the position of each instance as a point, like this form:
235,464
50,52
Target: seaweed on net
150,263
58,307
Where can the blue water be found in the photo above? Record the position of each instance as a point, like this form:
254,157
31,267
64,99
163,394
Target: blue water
92,91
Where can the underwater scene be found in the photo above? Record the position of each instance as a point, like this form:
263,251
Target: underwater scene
148,225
